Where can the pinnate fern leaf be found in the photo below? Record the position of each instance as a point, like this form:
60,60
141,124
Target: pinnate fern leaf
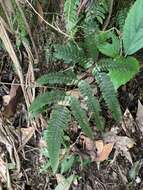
92,103
109,93
71,17
80,116
61,78
71,53
46,98
53,135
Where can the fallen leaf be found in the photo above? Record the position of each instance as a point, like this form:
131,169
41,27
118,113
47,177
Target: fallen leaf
99,146
122,144
11,101
104,154
128,123
89,146
40,11
97,150
26,133
139,117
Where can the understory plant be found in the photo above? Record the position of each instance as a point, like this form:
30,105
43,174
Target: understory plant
106,55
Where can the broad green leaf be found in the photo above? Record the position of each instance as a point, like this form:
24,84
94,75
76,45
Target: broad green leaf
133,29
129,67
110,49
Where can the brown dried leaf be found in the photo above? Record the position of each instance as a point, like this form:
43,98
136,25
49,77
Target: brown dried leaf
104,152
128,123
40,11
11,101
139,117
27,133
122,144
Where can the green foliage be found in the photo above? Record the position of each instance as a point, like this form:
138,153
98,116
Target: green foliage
71,53
53,135
19,25
127,68
109,93
133,29
121,69
101,52
45,99
109,49
80,116
67,77
121,16
67,163
97,11
92,103
71,17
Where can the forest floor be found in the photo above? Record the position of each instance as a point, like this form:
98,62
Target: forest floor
21,143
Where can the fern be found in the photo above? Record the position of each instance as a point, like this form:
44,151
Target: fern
90,47
71,17
109,93
53,135
121,16
97,11
47,98
71,53
68,52
80,116
61,78
92,103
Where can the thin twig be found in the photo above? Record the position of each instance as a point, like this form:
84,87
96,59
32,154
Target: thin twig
109,15
53,27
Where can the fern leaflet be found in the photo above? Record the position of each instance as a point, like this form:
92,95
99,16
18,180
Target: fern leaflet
92,103
80,116
58,78
109,93
46,98
71,53
71,17
59,119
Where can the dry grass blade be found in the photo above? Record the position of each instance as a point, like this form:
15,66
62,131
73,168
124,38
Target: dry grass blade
8,10
6,41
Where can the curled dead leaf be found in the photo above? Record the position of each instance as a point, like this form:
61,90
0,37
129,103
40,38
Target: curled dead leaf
103,150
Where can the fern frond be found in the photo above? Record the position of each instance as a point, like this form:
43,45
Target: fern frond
46,98
98,11
92,103
120,18
71,53
109,93
120,64
58,122
80,116
60,78
90,45
71,17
